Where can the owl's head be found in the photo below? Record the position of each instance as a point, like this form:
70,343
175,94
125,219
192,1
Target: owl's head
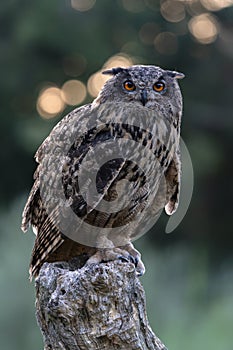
149,86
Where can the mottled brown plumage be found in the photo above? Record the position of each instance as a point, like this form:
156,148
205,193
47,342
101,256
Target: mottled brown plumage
130,132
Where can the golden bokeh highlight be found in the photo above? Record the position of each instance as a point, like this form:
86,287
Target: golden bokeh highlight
120,60
166,43
172,10
97,80
216,5
82,5
204,28
73,92
50,102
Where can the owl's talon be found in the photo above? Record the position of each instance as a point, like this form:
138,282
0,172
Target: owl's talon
126,254
140,269
123,258
137,262
139,266
128,258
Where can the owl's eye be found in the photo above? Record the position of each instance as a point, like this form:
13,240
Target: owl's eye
159,86
129,85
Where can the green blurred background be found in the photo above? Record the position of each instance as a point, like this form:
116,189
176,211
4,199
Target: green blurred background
51,53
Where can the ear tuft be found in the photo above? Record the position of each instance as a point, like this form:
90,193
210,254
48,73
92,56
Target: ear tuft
113,71
176,75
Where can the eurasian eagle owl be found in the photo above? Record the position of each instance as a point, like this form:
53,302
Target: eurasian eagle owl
107,169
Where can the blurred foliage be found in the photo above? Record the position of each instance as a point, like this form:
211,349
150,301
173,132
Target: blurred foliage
18,328
189,273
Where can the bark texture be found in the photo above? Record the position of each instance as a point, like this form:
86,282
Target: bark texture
96,307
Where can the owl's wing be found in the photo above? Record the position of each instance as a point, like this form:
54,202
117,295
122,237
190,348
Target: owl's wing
33,208
173,178
45,222
48,236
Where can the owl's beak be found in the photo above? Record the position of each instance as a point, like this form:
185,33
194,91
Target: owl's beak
144,97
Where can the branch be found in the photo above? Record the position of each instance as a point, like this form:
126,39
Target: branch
94,307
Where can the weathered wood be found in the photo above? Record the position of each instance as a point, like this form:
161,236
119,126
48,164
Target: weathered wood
96,307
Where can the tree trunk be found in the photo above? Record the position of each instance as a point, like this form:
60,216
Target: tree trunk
96,307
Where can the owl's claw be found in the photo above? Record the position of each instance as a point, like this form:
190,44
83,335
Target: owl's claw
140,267
136,261
127,258
127,253
136,256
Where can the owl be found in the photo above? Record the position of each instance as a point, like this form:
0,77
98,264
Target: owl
107,169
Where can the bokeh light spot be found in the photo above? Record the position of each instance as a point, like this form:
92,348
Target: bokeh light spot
50,102
119,60
97,80
172,11
82,5
193,8
204,28
166,43
73,92
216,5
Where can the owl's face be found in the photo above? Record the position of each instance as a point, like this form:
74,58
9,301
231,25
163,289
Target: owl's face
148,86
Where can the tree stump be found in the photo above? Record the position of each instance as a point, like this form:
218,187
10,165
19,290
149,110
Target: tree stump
95,307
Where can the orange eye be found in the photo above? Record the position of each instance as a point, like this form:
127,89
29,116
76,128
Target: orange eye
129,85
159,86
